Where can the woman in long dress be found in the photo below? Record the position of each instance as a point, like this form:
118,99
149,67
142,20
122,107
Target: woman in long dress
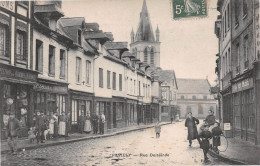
191,124
62,124
87,127
51,125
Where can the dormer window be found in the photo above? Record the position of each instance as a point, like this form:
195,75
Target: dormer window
79,37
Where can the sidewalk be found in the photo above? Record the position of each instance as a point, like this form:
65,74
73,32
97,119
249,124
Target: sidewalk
24,143
240,152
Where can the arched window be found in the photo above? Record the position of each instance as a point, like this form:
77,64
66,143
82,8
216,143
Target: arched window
145,55
152,56
200,109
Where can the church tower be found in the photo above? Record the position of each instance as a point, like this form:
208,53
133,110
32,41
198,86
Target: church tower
144,45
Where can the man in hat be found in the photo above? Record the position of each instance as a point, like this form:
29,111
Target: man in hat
81,122
12,132
40,126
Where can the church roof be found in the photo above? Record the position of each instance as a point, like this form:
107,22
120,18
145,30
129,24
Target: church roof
198,86
144,31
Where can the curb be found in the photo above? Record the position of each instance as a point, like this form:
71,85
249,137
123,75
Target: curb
226,158
82,139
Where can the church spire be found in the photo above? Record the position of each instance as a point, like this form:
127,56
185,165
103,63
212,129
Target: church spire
157,32
132,36
144,31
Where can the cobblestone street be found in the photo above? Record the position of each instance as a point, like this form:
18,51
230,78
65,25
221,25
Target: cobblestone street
134,148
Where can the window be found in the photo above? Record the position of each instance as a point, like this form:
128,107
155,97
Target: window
145,55
182,97
194,97
228,15
223,27
236,12
4,40
139,88
134,87
244,7
79,37
143,89
114,80
200,109
39,56
88,72
51,60
205,97
223,64
188,109
246,48
62,63
74,115
131,84
100,77
225,21
20,45
108,80
78,69
229,60
120,82
152,56
119,111
238,54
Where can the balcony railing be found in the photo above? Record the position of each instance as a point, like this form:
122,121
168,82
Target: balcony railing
246,64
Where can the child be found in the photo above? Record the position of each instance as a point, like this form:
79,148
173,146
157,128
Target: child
158,130
205,135
32,135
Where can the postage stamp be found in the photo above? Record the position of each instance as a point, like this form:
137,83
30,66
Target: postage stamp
189,8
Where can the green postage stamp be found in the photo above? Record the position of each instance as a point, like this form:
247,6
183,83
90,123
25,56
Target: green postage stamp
189,8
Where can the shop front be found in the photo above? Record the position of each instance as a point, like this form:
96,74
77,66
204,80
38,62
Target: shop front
79,102
16,97
131,112
50,97
166,113
244,108
119,113
103,106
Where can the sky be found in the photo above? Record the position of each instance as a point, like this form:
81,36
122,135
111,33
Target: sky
188,46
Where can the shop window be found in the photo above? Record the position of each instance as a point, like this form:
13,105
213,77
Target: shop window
120,82
4,41
108,79
88,72
51,60
119,111
100,77
62,63
78,70
74,115
114,80
39,56
20,45
200,109
60,103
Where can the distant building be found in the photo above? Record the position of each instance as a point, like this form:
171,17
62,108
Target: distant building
194,96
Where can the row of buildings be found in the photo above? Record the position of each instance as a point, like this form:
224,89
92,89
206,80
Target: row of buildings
54,64
238,60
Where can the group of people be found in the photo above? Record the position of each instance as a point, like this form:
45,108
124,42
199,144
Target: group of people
88,123
209,129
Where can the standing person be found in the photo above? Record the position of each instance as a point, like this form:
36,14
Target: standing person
191,124
56,124
81,122
87,126
95,123
210,119
62,124
68,126
12,128
158,129
102,120
51,125
205,135
40,126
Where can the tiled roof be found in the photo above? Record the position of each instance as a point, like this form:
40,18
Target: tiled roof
193,86
92,26
166,75
95,35
73,21
116,45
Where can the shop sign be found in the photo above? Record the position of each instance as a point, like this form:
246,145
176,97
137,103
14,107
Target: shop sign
9,5
227,126
17,73
244,84
50,88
